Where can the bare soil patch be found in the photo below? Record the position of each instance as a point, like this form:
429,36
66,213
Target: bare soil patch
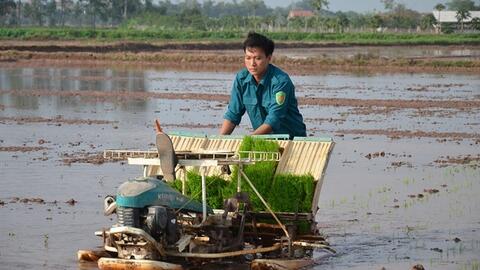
470,160
91,158
22,149
395,134
192,125
57,120
36,200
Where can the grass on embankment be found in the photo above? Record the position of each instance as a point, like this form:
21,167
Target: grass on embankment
120,34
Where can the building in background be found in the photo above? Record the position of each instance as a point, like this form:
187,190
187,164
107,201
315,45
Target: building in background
300,14
449,19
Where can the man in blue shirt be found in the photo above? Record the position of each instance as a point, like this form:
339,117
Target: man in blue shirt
265,92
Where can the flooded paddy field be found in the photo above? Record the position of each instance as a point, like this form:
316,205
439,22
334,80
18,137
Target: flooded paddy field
402,186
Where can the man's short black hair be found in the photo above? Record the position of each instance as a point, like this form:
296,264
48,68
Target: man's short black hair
255,40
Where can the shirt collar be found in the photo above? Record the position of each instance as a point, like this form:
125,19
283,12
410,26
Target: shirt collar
250,78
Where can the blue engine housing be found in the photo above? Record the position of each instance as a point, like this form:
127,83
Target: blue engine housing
147,191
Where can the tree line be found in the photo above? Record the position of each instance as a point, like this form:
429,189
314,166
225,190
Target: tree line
215,15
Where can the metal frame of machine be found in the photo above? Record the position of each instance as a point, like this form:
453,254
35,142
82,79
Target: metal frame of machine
236,232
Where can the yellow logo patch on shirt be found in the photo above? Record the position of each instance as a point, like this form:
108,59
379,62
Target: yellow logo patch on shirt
280,97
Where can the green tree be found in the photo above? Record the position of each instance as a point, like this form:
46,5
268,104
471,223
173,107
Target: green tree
476,23
461,5
462,15
439,8
7,7
191,16
51,12
342,21
254,6
122,10
357,20
65,10
389,4
318,5
428,21
376,21
78,11
97,9
402,17
35,11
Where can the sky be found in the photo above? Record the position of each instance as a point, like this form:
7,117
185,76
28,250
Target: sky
367,5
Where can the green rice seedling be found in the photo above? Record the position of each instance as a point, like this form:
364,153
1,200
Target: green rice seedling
193,188
283,193
292,193
261,173
215,184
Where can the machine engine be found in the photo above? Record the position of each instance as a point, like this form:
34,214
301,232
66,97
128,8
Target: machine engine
158,221
146,208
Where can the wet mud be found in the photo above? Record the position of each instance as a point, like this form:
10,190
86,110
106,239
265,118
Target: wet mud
395,134
22,149
58,120
30,201
401,185
470,160
91,158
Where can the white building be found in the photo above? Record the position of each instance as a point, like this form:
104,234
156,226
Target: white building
448,16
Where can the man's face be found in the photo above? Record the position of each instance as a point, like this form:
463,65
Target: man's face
256,62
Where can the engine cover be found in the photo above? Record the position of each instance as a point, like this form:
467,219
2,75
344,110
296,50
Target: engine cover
146,191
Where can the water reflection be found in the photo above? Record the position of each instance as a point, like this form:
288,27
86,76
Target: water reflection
71,79
390,52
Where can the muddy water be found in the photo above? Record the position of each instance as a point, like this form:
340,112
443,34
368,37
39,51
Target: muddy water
379,203
390,52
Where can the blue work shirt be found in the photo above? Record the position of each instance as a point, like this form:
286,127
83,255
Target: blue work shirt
272,102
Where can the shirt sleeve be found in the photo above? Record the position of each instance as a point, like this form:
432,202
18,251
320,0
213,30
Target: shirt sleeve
277,111
236,108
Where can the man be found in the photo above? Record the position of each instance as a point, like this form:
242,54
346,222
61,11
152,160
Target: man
265,92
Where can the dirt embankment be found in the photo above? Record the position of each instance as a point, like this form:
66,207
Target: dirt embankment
138,47
213,57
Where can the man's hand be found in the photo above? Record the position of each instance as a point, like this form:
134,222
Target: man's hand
263,129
